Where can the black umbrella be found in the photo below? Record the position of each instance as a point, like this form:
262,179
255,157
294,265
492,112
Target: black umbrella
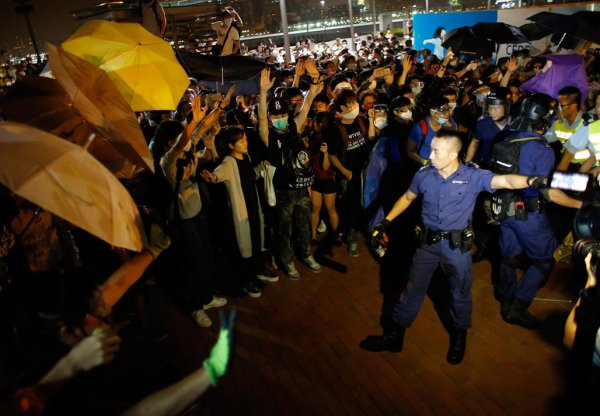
587,26
561,23
221,68
581,25
534,31
499,32
464,40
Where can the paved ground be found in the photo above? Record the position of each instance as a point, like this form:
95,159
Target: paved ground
297,351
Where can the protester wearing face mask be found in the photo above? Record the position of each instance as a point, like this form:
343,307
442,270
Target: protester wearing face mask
350,63
348,152
294,174
418,145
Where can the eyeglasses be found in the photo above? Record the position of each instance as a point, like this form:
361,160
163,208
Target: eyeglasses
444,109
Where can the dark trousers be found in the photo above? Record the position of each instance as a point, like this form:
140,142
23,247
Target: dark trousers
196,252
425,261
533,236
293,215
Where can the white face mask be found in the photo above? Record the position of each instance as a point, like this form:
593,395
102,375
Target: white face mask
416,90
352,114
406,115
380,122
441,121
452,106
412,102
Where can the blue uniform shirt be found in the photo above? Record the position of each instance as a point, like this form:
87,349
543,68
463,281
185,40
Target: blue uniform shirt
535,158
448,203
485,132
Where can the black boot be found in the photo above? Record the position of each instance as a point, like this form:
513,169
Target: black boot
391,340
519,315
458,344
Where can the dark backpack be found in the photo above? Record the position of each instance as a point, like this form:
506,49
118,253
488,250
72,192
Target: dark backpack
505,160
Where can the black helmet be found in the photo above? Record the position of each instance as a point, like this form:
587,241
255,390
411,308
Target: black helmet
500,96
537,113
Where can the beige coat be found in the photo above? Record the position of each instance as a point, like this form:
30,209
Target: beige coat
228,172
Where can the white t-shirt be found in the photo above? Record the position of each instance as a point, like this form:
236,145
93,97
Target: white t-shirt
234,36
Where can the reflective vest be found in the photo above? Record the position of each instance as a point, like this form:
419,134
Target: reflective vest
594,140
563,133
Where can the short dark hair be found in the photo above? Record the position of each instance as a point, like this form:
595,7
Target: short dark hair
573,93
227,136
449,133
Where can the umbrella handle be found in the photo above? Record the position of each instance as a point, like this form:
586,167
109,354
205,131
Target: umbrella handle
561,39
90,139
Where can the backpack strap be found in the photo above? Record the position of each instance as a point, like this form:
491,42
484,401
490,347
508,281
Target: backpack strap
524,139
226,35
424,132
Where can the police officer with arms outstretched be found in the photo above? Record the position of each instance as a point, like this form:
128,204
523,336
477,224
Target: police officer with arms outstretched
449,188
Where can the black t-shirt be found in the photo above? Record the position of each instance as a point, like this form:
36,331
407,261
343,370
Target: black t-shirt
355,153
288,142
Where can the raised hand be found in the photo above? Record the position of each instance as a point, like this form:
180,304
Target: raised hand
198,111
311,68
266,82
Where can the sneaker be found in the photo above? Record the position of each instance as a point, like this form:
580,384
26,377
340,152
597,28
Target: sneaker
251,289
312,264
322,227
216,302
268,276
291,271
353,249
201,318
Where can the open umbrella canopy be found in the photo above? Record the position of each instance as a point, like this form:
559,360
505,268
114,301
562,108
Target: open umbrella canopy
42,103
581,25
499,32
142,66
534,31
221,68
465,40
65,180
588,26
100,103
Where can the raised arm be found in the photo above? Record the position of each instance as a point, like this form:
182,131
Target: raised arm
199,114
311,69
511,68
266,83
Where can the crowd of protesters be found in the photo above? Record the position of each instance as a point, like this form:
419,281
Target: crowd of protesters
249,186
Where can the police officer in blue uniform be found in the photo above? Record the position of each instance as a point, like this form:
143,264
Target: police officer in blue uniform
449,188
525,227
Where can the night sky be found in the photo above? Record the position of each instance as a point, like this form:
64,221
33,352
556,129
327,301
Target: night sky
51,20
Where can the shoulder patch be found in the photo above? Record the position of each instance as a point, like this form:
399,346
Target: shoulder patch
425,167
472,164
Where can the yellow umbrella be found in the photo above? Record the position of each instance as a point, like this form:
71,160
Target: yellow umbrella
99,102
143,67
67,181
